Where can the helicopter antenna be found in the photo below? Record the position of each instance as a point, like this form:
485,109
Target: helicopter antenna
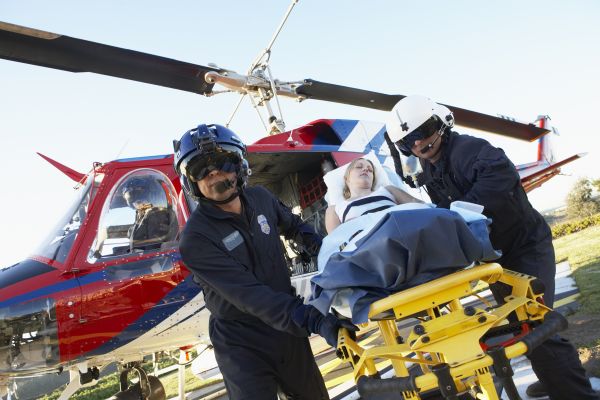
267,51
122,148
264,87
235,110
258,111
272,81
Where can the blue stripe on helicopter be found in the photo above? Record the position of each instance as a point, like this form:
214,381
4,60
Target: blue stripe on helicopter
48,290
360,136
145,158
343,128
114,273
182,321
186,290
23,270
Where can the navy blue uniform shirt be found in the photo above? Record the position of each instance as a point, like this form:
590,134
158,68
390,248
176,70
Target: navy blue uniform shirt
238,260
471,169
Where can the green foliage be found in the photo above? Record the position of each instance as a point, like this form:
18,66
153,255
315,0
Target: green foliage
573,226
556,216
192,382
582,250
108,386
596,184
579,200
105,388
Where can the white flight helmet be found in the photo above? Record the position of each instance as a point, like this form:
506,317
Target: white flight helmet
411,112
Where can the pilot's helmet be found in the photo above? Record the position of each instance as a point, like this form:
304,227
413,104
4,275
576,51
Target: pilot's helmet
143,192
416,118
207,148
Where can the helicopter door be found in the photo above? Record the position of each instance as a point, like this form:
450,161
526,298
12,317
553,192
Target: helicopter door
134,253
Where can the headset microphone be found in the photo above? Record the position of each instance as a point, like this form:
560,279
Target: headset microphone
224,185
430,145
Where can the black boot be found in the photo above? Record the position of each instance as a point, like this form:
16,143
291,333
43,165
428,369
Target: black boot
536,389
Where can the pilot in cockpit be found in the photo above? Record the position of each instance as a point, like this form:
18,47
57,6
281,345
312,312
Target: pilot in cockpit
154,216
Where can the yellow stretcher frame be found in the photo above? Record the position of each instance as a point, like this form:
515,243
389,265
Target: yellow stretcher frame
446,344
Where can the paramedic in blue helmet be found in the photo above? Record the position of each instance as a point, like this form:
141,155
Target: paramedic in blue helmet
231,243
463,167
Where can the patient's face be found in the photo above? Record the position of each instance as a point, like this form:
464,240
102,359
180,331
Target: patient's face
360,175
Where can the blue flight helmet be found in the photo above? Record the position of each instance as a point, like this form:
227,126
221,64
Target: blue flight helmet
207,148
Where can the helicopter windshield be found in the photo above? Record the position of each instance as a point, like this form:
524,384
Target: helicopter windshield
58,243
139,215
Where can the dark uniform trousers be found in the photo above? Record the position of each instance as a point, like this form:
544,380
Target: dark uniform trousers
473,170
555,362
263,360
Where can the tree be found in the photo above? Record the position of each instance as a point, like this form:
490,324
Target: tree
579,200
596,184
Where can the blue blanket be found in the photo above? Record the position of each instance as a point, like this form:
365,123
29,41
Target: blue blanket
404,248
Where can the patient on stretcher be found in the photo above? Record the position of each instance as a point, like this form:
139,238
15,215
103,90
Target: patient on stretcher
381,248
366,189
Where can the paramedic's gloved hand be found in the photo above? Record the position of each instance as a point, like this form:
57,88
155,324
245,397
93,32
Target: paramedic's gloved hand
309,244
325,325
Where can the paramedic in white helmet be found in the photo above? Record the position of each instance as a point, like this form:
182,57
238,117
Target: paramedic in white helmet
466,168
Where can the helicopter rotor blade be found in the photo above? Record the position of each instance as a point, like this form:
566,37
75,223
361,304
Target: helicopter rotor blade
316,90
32,46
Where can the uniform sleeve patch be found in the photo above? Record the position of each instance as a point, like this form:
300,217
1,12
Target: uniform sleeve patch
233,240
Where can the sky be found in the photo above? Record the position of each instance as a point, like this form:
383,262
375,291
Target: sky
515,58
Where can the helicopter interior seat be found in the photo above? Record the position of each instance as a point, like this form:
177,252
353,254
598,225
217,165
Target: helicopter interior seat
154,228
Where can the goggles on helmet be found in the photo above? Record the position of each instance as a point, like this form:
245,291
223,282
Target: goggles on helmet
426,130
217,161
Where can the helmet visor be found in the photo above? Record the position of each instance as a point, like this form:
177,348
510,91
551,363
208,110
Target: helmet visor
218,161
427,129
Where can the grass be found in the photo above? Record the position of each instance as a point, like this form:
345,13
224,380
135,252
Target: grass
109,385
582,250
105,388
192,383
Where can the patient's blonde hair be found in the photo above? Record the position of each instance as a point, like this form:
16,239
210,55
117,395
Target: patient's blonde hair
346,190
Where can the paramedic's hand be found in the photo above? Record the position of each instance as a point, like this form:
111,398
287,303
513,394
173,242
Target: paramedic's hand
330,326
327,326
310,242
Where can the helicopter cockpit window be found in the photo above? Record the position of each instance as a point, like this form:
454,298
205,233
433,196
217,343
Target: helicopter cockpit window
58,243
139,216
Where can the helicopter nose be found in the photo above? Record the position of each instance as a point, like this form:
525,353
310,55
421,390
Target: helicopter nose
28,327
29,336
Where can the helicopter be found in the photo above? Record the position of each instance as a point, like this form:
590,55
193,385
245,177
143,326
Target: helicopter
90,274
